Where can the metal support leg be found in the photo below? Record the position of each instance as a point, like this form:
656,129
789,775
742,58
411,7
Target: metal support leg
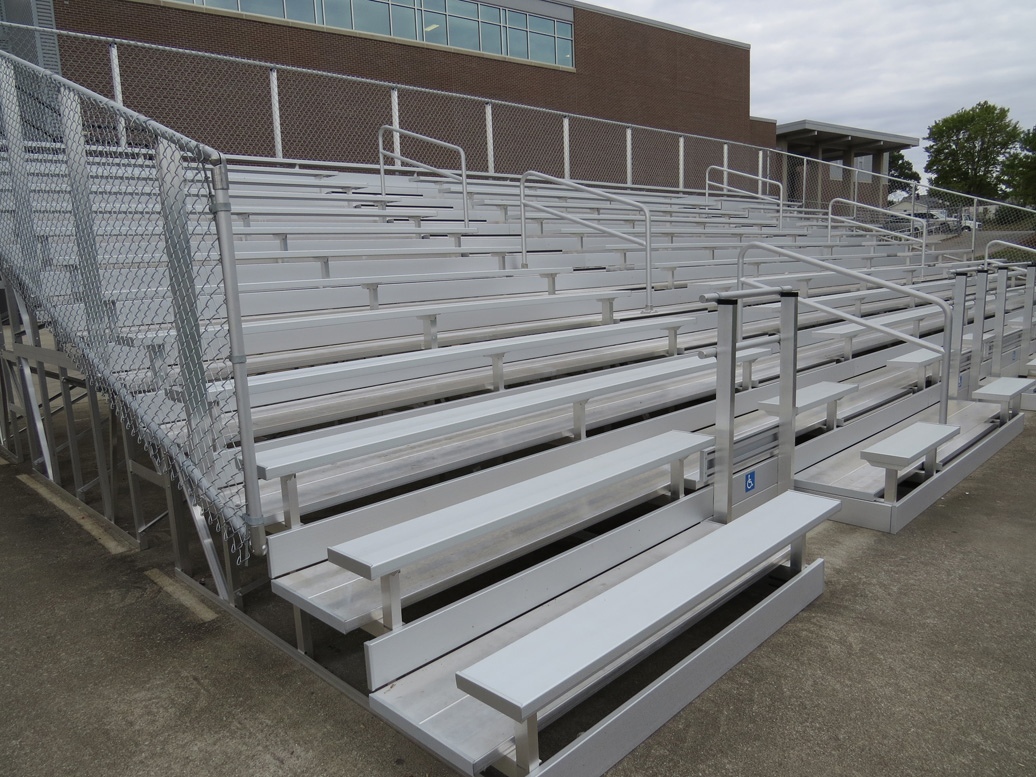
211,554
891,485
100,454
73,437
579,419
676,479
391,601
527,745
139,522
179,528
303,632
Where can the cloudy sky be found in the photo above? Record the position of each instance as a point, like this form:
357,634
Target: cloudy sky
890,65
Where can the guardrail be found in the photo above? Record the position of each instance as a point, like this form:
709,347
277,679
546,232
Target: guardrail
758,194
886,212
524,203
947,346
60,139
462,179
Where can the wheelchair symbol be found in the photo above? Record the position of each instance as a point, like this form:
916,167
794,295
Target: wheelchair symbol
750,482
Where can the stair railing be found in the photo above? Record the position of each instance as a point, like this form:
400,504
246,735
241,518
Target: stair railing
525,203
461,178
726,187
923,240
946,348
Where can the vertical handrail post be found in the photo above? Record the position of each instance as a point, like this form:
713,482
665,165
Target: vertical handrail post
98,318
788,389
566,148
275,114
490,155
726,367
183,295
682,163
629,156
957,323
238,355
113,61
978,330
1026,345
1000,320
396,140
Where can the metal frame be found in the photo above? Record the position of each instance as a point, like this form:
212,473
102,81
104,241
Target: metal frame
395,154
758,194
645,243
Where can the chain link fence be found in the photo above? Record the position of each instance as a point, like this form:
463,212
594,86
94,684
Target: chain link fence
107,234
258,109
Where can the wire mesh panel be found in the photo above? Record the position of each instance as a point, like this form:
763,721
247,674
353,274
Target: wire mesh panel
699,155
528,139
656,158
598,150
106,232
332,118
199,95
450,118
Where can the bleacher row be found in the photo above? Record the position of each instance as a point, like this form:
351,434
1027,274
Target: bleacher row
431,409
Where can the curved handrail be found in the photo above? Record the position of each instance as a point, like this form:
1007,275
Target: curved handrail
947,347
1006,244
887,212
729,188
462,178
523,203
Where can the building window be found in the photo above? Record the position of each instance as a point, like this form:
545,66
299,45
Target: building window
461,24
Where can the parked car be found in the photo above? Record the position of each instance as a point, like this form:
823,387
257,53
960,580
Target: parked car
967,225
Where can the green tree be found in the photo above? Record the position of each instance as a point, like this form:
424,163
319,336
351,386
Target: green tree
1021,170
967,150
902,171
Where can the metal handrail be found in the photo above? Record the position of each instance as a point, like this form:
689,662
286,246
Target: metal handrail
1006,244
887,212
727,187
448,174
947,347
523,203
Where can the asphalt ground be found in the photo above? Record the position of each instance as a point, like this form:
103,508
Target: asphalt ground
919,659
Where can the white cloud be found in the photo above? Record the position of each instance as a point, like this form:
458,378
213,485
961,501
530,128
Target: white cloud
887,65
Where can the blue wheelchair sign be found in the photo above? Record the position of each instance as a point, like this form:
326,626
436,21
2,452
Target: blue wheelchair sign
749,482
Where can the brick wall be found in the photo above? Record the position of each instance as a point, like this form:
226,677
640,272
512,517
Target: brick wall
625,71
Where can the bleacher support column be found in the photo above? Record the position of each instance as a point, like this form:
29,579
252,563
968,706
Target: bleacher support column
275,114
490,155
225,236
113,61
566,148
629,156
681,161
396,140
